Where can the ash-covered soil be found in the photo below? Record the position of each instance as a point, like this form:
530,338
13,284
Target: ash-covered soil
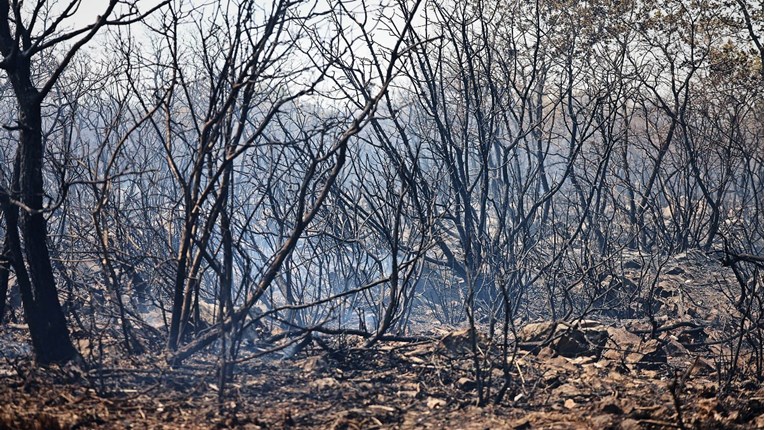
689,366
394,386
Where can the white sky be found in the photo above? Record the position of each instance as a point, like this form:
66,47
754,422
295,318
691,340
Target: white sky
89,10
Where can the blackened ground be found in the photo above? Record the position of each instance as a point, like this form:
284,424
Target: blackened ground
397,385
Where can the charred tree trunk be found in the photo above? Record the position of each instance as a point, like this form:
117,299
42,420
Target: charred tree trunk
31,262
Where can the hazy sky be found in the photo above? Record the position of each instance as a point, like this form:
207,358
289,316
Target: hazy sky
89,10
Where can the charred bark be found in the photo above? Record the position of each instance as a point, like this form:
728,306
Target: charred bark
26,226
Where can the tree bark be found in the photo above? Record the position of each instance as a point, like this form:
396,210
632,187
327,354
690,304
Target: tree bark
42,309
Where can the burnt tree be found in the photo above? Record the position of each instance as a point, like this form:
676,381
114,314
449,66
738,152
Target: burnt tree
27,32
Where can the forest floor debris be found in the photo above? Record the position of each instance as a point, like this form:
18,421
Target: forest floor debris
395,385
675,370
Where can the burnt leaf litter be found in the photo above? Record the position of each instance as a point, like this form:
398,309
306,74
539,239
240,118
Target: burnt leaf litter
598,373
